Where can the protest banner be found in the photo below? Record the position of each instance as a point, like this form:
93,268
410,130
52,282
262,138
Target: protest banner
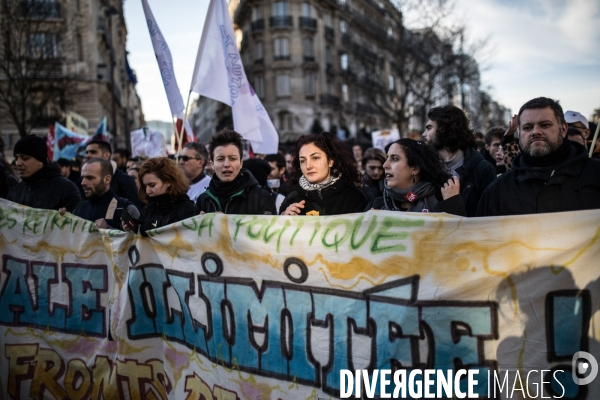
269,307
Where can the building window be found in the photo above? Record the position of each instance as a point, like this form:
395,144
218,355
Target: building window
327,20
286,122
306,12
257,13
259,86
280,9
282,48
328,57
79,47
330,87
343,3
391,84
43,45
307,45
344,61
390,31
343,27
259,52
309,84
283,85
345,93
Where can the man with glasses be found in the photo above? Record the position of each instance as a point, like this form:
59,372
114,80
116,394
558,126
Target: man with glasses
192,161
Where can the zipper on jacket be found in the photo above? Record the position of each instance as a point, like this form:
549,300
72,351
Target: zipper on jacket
231,198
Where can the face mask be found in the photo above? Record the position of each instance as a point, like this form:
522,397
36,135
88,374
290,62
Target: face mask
273,183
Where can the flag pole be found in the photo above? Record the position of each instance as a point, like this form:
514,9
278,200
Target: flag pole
181,132
592,147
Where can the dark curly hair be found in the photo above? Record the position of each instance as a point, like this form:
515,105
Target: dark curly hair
344,163
427,159
453,132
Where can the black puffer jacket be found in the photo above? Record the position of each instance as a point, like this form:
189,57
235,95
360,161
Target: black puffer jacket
475,175
164,210
243,195
572,185
342,197
46,189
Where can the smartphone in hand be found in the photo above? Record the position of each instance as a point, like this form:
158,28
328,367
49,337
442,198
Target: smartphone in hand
129,220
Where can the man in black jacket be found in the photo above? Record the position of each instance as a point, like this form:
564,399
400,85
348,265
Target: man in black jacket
232,189
102,206
448,132
551,174
41,186
122,184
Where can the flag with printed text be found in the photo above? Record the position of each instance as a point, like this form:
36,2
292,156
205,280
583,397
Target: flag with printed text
219,74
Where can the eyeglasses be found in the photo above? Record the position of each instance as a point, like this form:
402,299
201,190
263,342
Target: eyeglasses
187,158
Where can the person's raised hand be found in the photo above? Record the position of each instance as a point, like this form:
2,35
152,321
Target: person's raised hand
294,208
451,188
513,125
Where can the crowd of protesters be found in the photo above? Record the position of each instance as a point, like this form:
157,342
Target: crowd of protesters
539,164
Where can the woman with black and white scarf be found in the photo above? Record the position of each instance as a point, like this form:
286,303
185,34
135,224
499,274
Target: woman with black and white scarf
328,182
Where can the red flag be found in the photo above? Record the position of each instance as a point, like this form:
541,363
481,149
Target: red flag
50,142
188,135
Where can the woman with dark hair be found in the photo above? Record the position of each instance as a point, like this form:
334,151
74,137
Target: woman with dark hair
328,181
417,182
163,188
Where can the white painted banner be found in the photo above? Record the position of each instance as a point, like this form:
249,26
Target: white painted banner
270,307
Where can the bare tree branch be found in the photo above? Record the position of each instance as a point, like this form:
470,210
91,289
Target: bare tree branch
33,76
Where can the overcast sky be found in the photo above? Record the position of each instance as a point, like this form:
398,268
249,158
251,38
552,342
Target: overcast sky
539,48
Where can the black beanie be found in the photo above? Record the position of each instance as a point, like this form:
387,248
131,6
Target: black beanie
33,146
259,168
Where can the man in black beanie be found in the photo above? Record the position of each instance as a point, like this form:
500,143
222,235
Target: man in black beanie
551,174
41,186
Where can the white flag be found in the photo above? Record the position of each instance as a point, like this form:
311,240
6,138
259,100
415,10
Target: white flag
165,63
219,75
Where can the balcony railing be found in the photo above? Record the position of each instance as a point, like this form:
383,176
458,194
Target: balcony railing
329,32
281,21
40,9
308,23
309,58
282,57
329,100
258,25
